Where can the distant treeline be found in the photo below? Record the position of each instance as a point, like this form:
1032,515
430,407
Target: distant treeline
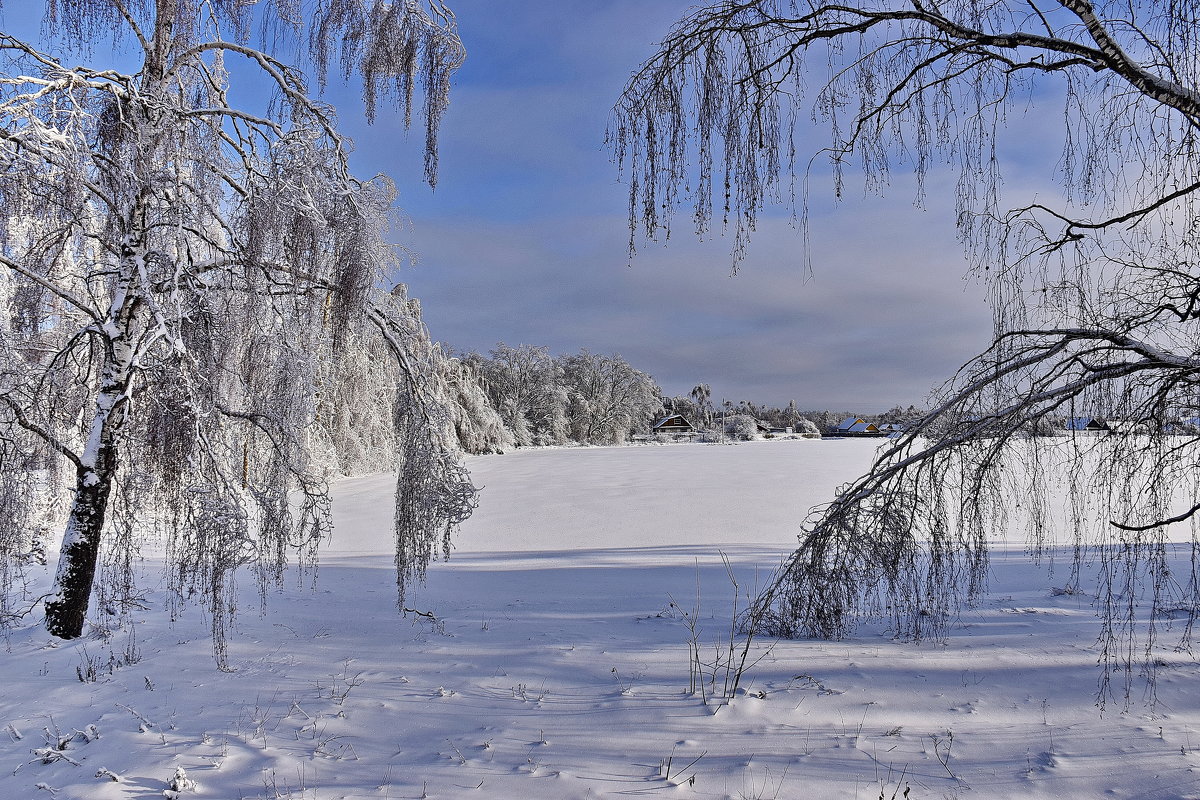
702,412
524,396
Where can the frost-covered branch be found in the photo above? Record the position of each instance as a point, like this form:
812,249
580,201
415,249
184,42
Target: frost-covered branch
179,280
1094,289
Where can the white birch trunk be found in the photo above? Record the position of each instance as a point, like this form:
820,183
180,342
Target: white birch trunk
66,610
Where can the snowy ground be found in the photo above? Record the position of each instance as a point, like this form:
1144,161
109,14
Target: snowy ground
557,668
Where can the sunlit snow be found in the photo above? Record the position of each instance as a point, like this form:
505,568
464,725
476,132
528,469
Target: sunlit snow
554,666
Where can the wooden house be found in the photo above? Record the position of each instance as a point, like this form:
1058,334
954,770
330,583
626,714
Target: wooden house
674,423
1087,425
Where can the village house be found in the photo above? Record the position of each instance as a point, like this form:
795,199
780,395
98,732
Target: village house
856,426
674,423
1087,425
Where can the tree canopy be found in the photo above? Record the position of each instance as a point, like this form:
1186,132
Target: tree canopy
190,287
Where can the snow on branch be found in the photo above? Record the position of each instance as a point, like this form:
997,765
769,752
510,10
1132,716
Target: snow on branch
187,290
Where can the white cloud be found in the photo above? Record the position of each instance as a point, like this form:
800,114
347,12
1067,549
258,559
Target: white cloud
885,316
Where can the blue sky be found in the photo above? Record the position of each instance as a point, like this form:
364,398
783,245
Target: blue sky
525,238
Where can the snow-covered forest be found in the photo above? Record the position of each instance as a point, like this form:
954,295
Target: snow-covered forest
583,398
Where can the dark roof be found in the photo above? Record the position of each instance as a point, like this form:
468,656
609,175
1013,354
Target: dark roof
1086,424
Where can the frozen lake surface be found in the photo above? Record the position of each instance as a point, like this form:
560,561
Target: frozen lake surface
556,666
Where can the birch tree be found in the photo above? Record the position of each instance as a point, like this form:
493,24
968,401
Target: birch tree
188,287
525,385
1095,289
477,423
701,395
607,399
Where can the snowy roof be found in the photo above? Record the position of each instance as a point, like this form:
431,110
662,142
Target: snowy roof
861,427
670,417
848,423
1086,424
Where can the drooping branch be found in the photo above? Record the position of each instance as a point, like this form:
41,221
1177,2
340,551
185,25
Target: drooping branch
180,284
1096,300
41,432
739,70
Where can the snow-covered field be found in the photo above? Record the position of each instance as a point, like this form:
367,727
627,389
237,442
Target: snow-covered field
557,668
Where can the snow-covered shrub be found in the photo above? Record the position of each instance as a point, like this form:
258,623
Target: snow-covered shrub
807,428
741,426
